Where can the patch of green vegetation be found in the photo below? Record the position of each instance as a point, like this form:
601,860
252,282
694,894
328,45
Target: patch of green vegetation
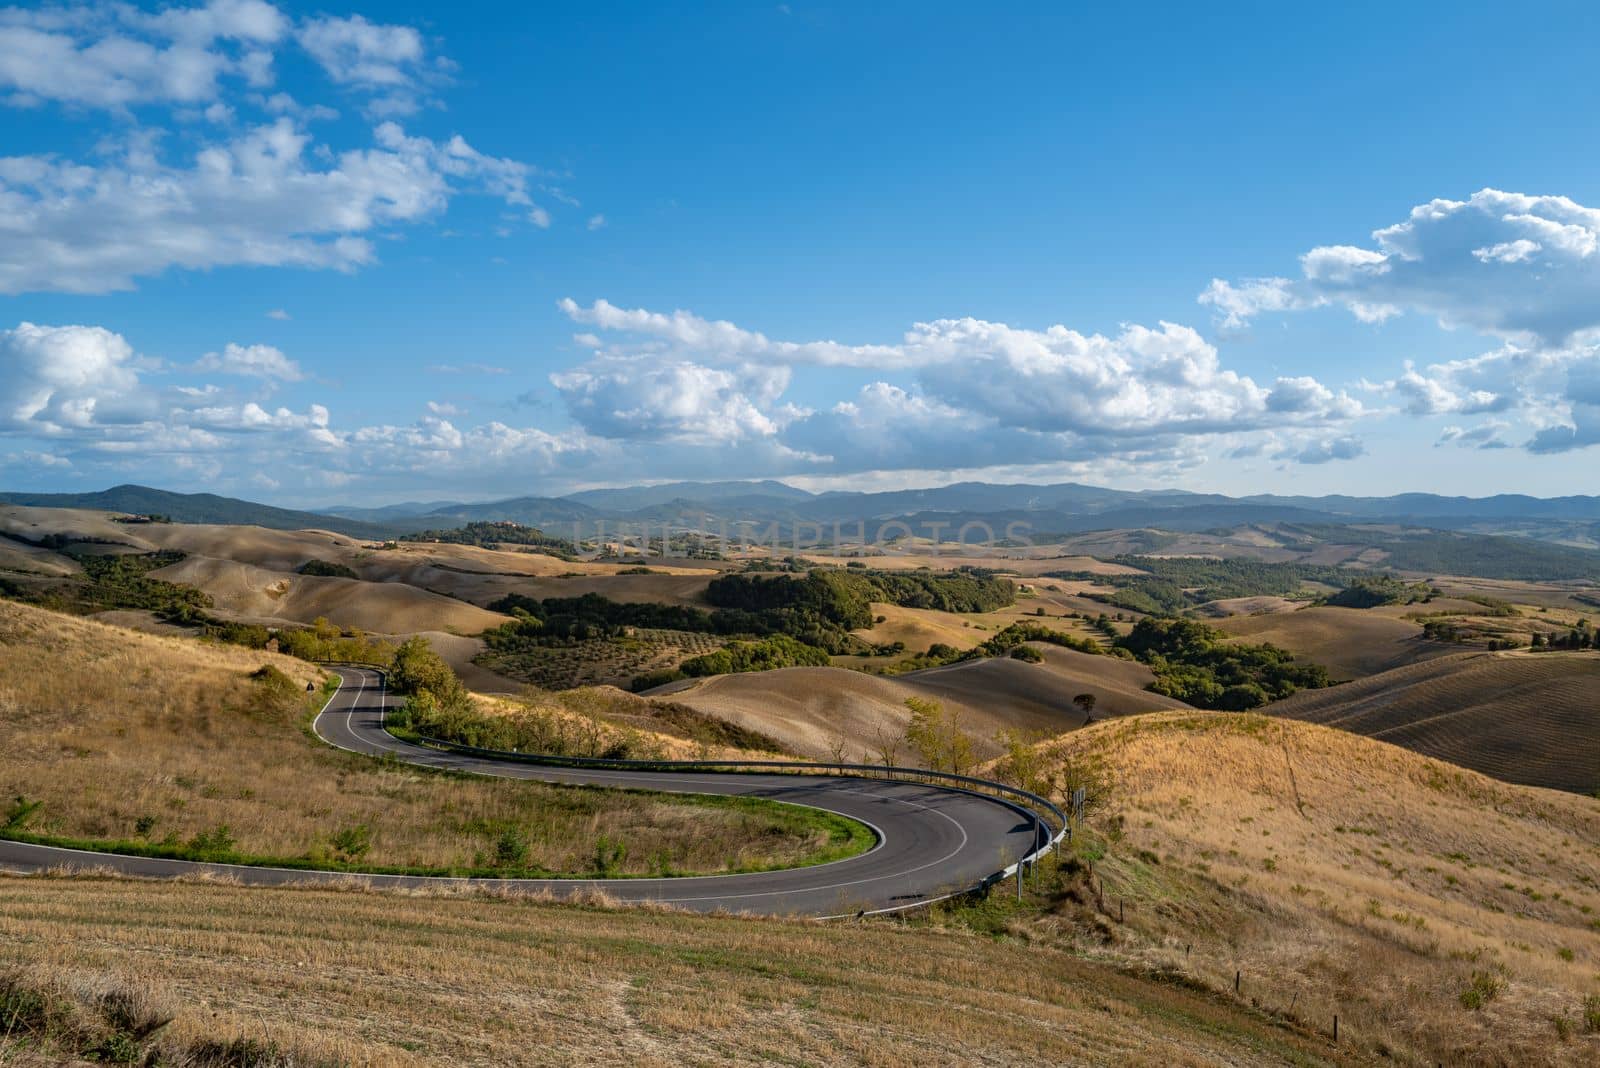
1193,663
1006,642
838,837
779,620
1170,586
322,641
762,654
1439,552
117,581
489,534
1378,590
326,569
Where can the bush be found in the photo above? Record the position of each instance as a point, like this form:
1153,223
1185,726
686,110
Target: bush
326,569
1027,654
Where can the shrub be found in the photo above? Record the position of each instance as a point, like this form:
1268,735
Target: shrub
1027,654
510,849
326,569
352,842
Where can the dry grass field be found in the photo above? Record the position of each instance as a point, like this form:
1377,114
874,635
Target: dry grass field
30,560
1532,718
34,524
1446,917
124,736
320,977
243,591
1349,642
812,711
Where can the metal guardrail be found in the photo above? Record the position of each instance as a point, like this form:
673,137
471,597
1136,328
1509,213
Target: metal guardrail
1041,810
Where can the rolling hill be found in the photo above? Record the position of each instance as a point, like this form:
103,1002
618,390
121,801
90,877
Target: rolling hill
1445,916
1530,718
197,508
811,710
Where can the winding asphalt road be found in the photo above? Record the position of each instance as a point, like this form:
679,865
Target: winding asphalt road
932,840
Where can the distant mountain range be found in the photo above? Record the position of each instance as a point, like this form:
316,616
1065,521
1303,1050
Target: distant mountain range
1063,508
197,508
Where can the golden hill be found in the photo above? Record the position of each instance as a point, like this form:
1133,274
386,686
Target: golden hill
131,737
256,593
1349,642
812,711
1532,718
1443,915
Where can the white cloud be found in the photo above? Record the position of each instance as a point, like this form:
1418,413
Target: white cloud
257,200
256,361
1237,304
596,222
1524,268
279,314
1141,382
59,377
1324,451
444,408
114,56
1483,436
723,342
674,401
980,393
390,60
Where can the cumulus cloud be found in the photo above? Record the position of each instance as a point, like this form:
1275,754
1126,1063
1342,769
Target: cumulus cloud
252,188
114,56
389,60
59,377
82,397
1524,268
1106,394
257,200
255,361
1483,436
117,57
674,401
1324,450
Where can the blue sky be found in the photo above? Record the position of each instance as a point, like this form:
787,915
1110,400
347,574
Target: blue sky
370,253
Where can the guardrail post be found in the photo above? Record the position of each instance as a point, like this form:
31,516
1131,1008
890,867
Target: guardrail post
1019,880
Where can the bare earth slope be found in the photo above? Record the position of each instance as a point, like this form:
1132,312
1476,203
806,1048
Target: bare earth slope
1531,718
811,710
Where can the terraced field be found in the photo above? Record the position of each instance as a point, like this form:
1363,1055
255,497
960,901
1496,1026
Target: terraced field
1530,718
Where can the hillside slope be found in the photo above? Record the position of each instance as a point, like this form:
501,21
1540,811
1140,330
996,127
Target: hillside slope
813,710
1349,642
256,593
195,508
1530,718
1446,917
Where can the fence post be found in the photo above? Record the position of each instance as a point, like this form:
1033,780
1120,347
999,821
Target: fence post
1019,880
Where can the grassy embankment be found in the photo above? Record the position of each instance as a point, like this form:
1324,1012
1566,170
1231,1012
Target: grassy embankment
162,746
1444,916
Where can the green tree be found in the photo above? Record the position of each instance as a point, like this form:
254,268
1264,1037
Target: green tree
418,671
935,734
